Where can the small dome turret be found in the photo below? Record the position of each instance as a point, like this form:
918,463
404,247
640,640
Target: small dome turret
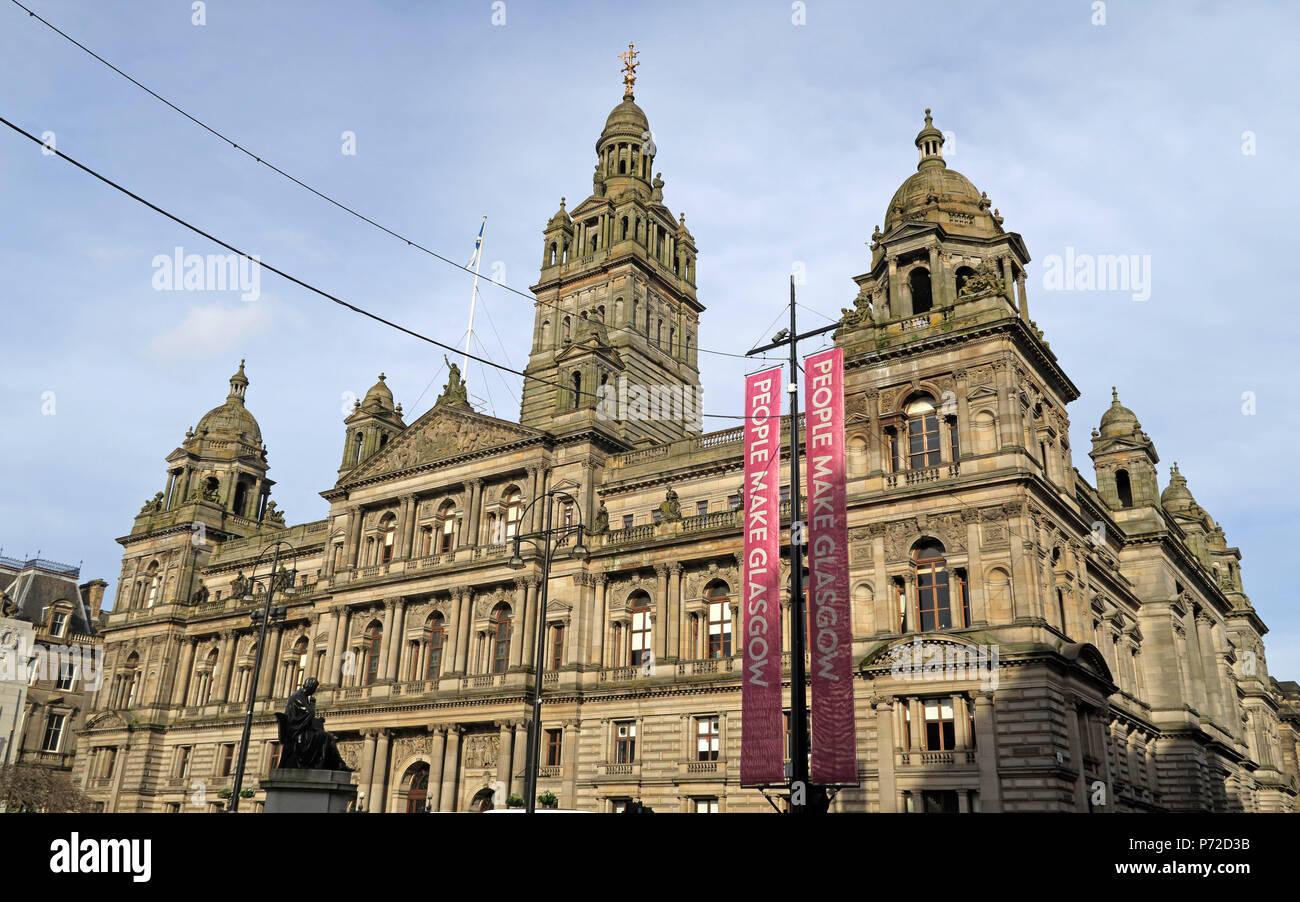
379,395
1118,420
1176,498
935,193
232,419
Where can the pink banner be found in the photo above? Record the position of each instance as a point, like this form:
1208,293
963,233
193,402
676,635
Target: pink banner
830,635
762,736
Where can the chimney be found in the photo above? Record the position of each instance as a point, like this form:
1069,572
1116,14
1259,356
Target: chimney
92,593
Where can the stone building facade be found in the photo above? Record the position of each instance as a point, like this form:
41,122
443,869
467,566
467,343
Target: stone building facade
51,653
1123,666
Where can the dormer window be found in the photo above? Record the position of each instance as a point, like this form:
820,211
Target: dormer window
58,623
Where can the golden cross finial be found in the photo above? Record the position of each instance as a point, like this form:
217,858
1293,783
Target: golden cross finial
629,70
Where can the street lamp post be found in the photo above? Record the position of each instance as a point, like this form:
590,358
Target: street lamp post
266,615
545,542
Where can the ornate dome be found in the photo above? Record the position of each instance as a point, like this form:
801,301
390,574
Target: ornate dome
625,120
1176,497
232,419
379,394
1118,420
935,193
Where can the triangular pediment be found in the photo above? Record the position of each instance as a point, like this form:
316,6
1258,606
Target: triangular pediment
444,433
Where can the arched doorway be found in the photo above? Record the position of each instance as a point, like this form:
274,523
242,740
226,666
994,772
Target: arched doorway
482,801
417,787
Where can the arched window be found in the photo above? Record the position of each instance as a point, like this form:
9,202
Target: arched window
131,679
919,281
434,636
1124,488
577,390
922,434
624,227
155,579
566,330
447,531
514,504
388,527
963,276
297,669
719,621
544,335
640,633
374,640
932,602
241,497
357,439
551,260
417,788
672,341
1060,609
500,637
600,312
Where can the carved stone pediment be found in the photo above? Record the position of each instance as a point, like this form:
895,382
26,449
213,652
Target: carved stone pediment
441,434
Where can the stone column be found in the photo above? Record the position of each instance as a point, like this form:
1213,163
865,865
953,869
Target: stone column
1008,284
1023,298
517,643
379,778
394,647
471,531
181,685
987,753
367,767
270,661
450,768
674,647
519,762
885,742
600,623
530,525
354,535
530,625
439,734
465,605
505,752
226,663
407,519
661,609
974,570
569,760
342,620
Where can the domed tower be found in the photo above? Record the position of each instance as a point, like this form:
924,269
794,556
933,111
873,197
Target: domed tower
374,421
617,315
216,489
1125,460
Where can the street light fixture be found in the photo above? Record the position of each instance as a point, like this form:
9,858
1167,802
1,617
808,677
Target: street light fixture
263,617
546,542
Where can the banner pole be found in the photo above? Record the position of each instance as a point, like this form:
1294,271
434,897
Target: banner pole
799,783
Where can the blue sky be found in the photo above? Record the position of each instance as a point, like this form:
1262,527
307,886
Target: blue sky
780,142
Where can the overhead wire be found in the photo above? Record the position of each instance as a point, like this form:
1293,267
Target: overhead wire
322,195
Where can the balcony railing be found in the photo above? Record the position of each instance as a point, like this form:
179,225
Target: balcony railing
922,475
938,759
620,674
483,681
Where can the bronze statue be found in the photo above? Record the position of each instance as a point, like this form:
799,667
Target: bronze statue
304,742
671,508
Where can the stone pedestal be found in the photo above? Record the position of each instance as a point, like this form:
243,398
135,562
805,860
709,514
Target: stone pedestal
309,791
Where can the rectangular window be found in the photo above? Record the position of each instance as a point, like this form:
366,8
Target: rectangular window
706,805
656,515
53,733
58,623
226,760
895,454
923,441
785,494
628,521
640,636
182,768
701,508
953,441
67,675
940,731
932,595
557,646
706,738
735,503
625,742
618,806
426,541
901,594
107,762
553,740
963,597
274,759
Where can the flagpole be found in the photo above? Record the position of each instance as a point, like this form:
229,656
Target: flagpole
478,260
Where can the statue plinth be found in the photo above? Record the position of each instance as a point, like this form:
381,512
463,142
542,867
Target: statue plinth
307,791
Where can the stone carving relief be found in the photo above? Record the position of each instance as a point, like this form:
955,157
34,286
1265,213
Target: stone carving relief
481,750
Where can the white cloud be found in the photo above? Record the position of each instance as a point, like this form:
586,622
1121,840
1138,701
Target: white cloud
212,329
